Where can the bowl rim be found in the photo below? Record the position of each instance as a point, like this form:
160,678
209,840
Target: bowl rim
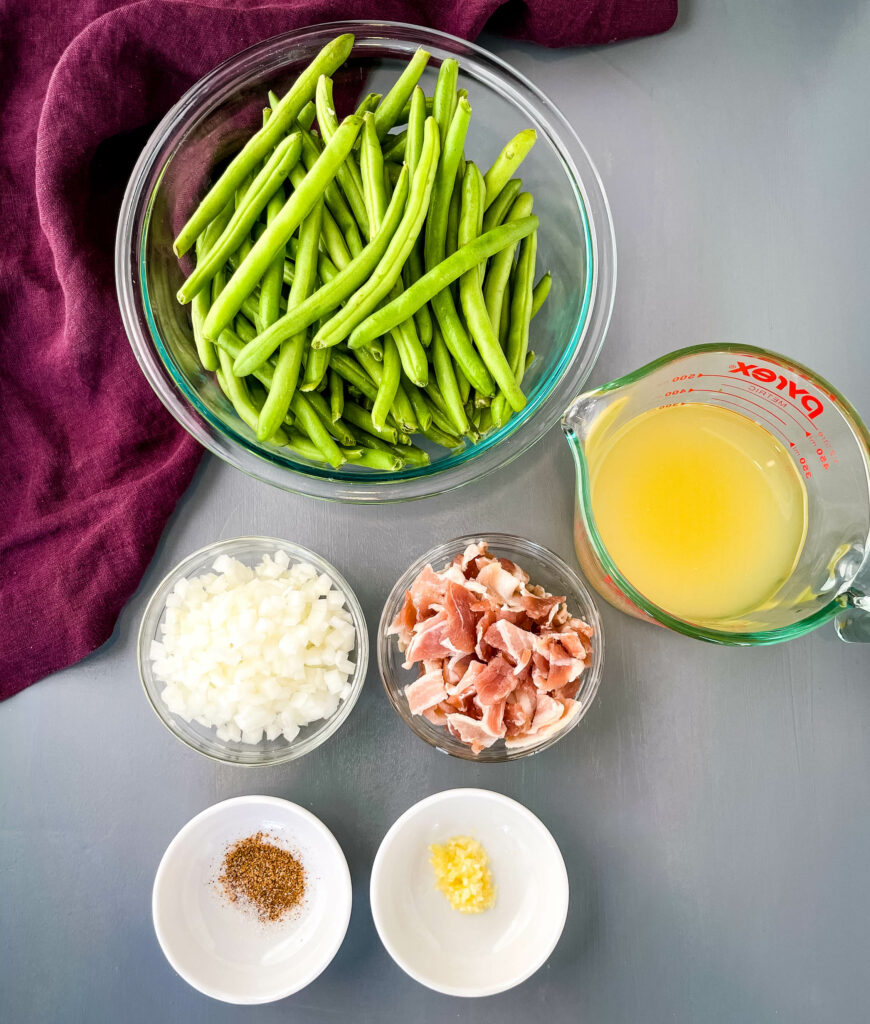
287,807
360,651
389,839
501,447
536,551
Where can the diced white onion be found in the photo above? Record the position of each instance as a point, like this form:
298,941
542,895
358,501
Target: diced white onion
255,652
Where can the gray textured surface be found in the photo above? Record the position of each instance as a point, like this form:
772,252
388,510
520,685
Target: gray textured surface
713,808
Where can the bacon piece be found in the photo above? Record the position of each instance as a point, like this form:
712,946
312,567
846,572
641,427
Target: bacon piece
430,640
403,624
426,692
493,718
437,716
496,680
468,683
497,579
473,551
471,732
518,644
454,669
572,708
541,608
460,621
427,589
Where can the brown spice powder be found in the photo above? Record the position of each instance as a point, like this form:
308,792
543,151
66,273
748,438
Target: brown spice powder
266,876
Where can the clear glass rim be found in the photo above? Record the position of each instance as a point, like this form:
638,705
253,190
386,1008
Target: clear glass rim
717,636
295,749
440,739
552,394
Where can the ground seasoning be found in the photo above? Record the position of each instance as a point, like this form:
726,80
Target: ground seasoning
267,877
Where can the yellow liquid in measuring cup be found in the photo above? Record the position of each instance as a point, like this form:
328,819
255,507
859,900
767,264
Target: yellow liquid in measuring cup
700,508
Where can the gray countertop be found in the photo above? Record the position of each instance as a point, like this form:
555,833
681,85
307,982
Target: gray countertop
714,806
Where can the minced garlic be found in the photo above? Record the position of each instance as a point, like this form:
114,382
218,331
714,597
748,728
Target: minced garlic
462,873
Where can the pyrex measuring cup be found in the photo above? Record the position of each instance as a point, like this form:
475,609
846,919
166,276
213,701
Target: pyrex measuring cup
831,449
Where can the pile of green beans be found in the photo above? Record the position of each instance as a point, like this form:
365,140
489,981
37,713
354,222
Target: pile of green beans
361,285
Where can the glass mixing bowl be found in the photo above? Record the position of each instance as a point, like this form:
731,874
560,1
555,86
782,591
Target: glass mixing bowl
204,739
545,569
213,119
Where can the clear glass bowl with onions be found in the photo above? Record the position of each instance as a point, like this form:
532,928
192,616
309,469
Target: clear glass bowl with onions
206,739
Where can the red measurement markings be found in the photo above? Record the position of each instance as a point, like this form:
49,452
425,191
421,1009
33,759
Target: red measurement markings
724,397
733,381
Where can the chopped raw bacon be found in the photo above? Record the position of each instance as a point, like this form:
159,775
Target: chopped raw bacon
517,643
426,692
500,658
496,681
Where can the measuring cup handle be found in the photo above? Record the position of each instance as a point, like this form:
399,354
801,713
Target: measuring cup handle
853,622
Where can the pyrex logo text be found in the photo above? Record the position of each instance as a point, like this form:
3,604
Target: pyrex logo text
767,376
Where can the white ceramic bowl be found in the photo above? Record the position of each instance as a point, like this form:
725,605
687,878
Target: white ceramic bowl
470,954
226,952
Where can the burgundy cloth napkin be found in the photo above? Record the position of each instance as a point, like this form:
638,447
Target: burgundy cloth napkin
92,466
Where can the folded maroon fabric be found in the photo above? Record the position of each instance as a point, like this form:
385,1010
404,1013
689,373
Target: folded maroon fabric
92,466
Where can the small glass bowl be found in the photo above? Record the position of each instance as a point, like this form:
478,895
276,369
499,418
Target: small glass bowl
204,739
545,569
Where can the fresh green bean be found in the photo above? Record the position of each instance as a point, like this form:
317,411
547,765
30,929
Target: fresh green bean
335,201
464,385
414,134
289,363
389,385
452,329
444,100
411,352
304,446
397,146
262,189
306,115
315,429
422,415
471,296
201,301
437,279
501,205
273,279
412,455
441,417
403,412
368,103
336,395
276,235
521,305
244,329
444,438
540,293
316,366
346,366
451,240
388,270
499,271
240,398
337,428
332,293
330,58
516,347
362,418
413,269
506,163
405,114
388,110
348,174
374,458
371,165
446,378
274,100
232,342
